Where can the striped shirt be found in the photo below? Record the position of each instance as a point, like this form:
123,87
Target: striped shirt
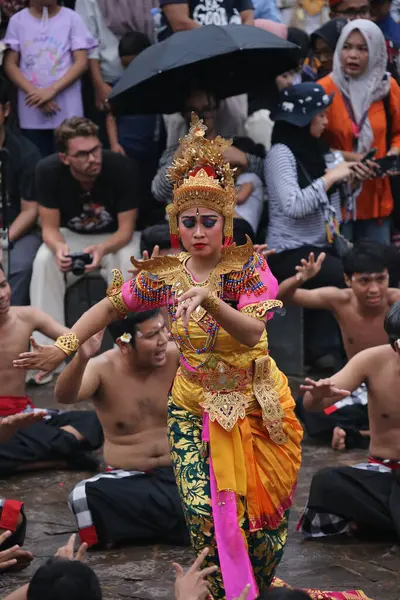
296,216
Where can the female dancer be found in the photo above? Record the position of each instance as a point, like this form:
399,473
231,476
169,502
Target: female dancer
235,441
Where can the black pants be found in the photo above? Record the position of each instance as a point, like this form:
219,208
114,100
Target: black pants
367,498
136,508
46,441
322,335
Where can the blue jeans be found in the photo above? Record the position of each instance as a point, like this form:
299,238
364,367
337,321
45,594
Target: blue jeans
377,230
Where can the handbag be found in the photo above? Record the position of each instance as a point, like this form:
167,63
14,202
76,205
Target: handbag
340,244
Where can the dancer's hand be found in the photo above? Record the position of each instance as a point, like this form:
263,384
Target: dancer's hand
145,256
14,558
189,301
67,551
324,388
193,585
309,268
12,424
41,358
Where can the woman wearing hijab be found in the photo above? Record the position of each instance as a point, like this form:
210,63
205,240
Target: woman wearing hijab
304,197
323,45
364,114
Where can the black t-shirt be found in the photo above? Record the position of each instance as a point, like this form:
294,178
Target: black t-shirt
116,190
20,172
207,12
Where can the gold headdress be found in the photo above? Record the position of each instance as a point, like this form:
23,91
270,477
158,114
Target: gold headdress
202,178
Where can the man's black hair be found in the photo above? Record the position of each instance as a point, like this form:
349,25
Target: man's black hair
366,257
133,43
2,268
130,324
4,91
246,145
284,594
392,323
155,235
64,579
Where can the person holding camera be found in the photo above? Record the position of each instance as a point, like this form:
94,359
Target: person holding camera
306,184
88,200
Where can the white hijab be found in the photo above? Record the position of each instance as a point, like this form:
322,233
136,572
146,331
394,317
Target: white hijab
370,86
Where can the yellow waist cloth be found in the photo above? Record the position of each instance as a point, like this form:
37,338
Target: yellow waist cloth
256,459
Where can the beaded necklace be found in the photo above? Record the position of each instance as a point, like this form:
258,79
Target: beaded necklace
212,329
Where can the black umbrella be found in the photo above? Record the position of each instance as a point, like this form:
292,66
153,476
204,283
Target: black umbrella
227,61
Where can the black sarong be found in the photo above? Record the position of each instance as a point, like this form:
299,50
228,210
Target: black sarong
46,441
366,497
120,506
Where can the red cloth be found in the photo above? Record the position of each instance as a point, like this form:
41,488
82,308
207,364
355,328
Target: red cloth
13,405
10,514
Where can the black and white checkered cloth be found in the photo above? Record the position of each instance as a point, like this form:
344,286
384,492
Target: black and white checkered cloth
315,524
77,500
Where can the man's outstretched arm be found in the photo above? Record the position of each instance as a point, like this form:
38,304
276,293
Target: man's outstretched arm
325,392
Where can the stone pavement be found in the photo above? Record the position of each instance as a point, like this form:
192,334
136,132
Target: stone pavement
146,572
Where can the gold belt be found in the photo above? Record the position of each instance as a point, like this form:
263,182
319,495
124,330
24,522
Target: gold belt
226,402
223,378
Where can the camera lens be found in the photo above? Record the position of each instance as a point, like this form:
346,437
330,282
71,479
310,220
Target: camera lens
78,267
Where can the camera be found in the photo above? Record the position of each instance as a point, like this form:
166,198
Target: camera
79,262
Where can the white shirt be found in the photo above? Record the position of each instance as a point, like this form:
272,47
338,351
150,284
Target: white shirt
107,49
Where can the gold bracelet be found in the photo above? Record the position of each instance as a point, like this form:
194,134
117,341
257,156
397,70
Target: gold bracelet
211,304
68,343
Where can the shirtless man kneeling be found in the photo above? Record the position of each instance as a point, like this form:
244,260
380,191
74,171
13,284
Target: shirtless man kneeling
60,440
137,498
359,310
366,496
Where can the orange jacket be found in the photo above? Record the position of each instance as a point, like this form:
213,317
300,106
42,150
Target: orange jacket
375,199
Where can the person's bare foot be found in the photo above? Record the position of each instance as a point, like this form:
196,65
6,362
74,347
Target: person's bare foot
10,425
339,439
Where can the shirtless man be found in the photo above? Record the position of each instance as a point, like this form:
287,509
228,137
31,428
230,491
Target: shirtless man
59,440
367,495
137,498
360,312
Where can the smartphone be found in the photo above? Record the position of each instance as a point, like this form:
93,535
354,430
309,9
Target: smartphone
388,163
370,155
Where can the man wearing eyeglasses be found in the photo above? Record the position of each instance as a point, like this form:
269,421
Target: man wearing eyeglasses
88,199
349,9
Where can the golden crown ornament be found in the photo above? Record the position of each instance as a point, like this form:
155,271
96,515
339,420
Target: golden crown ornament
202,178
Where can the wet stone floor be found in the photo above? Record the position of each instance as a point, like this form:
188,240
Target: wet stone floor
146,572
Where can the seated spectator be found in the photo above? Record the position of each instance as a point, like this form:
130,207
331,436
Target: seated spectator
156,235
64,577
49,440
249,187
364,499
22,213
88,199
205,105
349,9
136,135
136,499
47,54
108,22
304,202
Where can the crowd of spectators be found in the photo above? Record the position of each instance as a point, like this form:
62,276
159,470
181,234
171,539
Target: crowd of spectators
83,180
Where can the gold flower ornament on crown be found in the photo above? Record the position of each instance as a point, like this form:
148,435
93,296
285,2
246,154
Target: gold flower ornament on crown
202,178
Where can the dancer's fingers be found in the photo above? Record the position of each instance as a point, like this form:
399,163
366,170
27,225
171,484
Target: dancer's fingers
197,563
